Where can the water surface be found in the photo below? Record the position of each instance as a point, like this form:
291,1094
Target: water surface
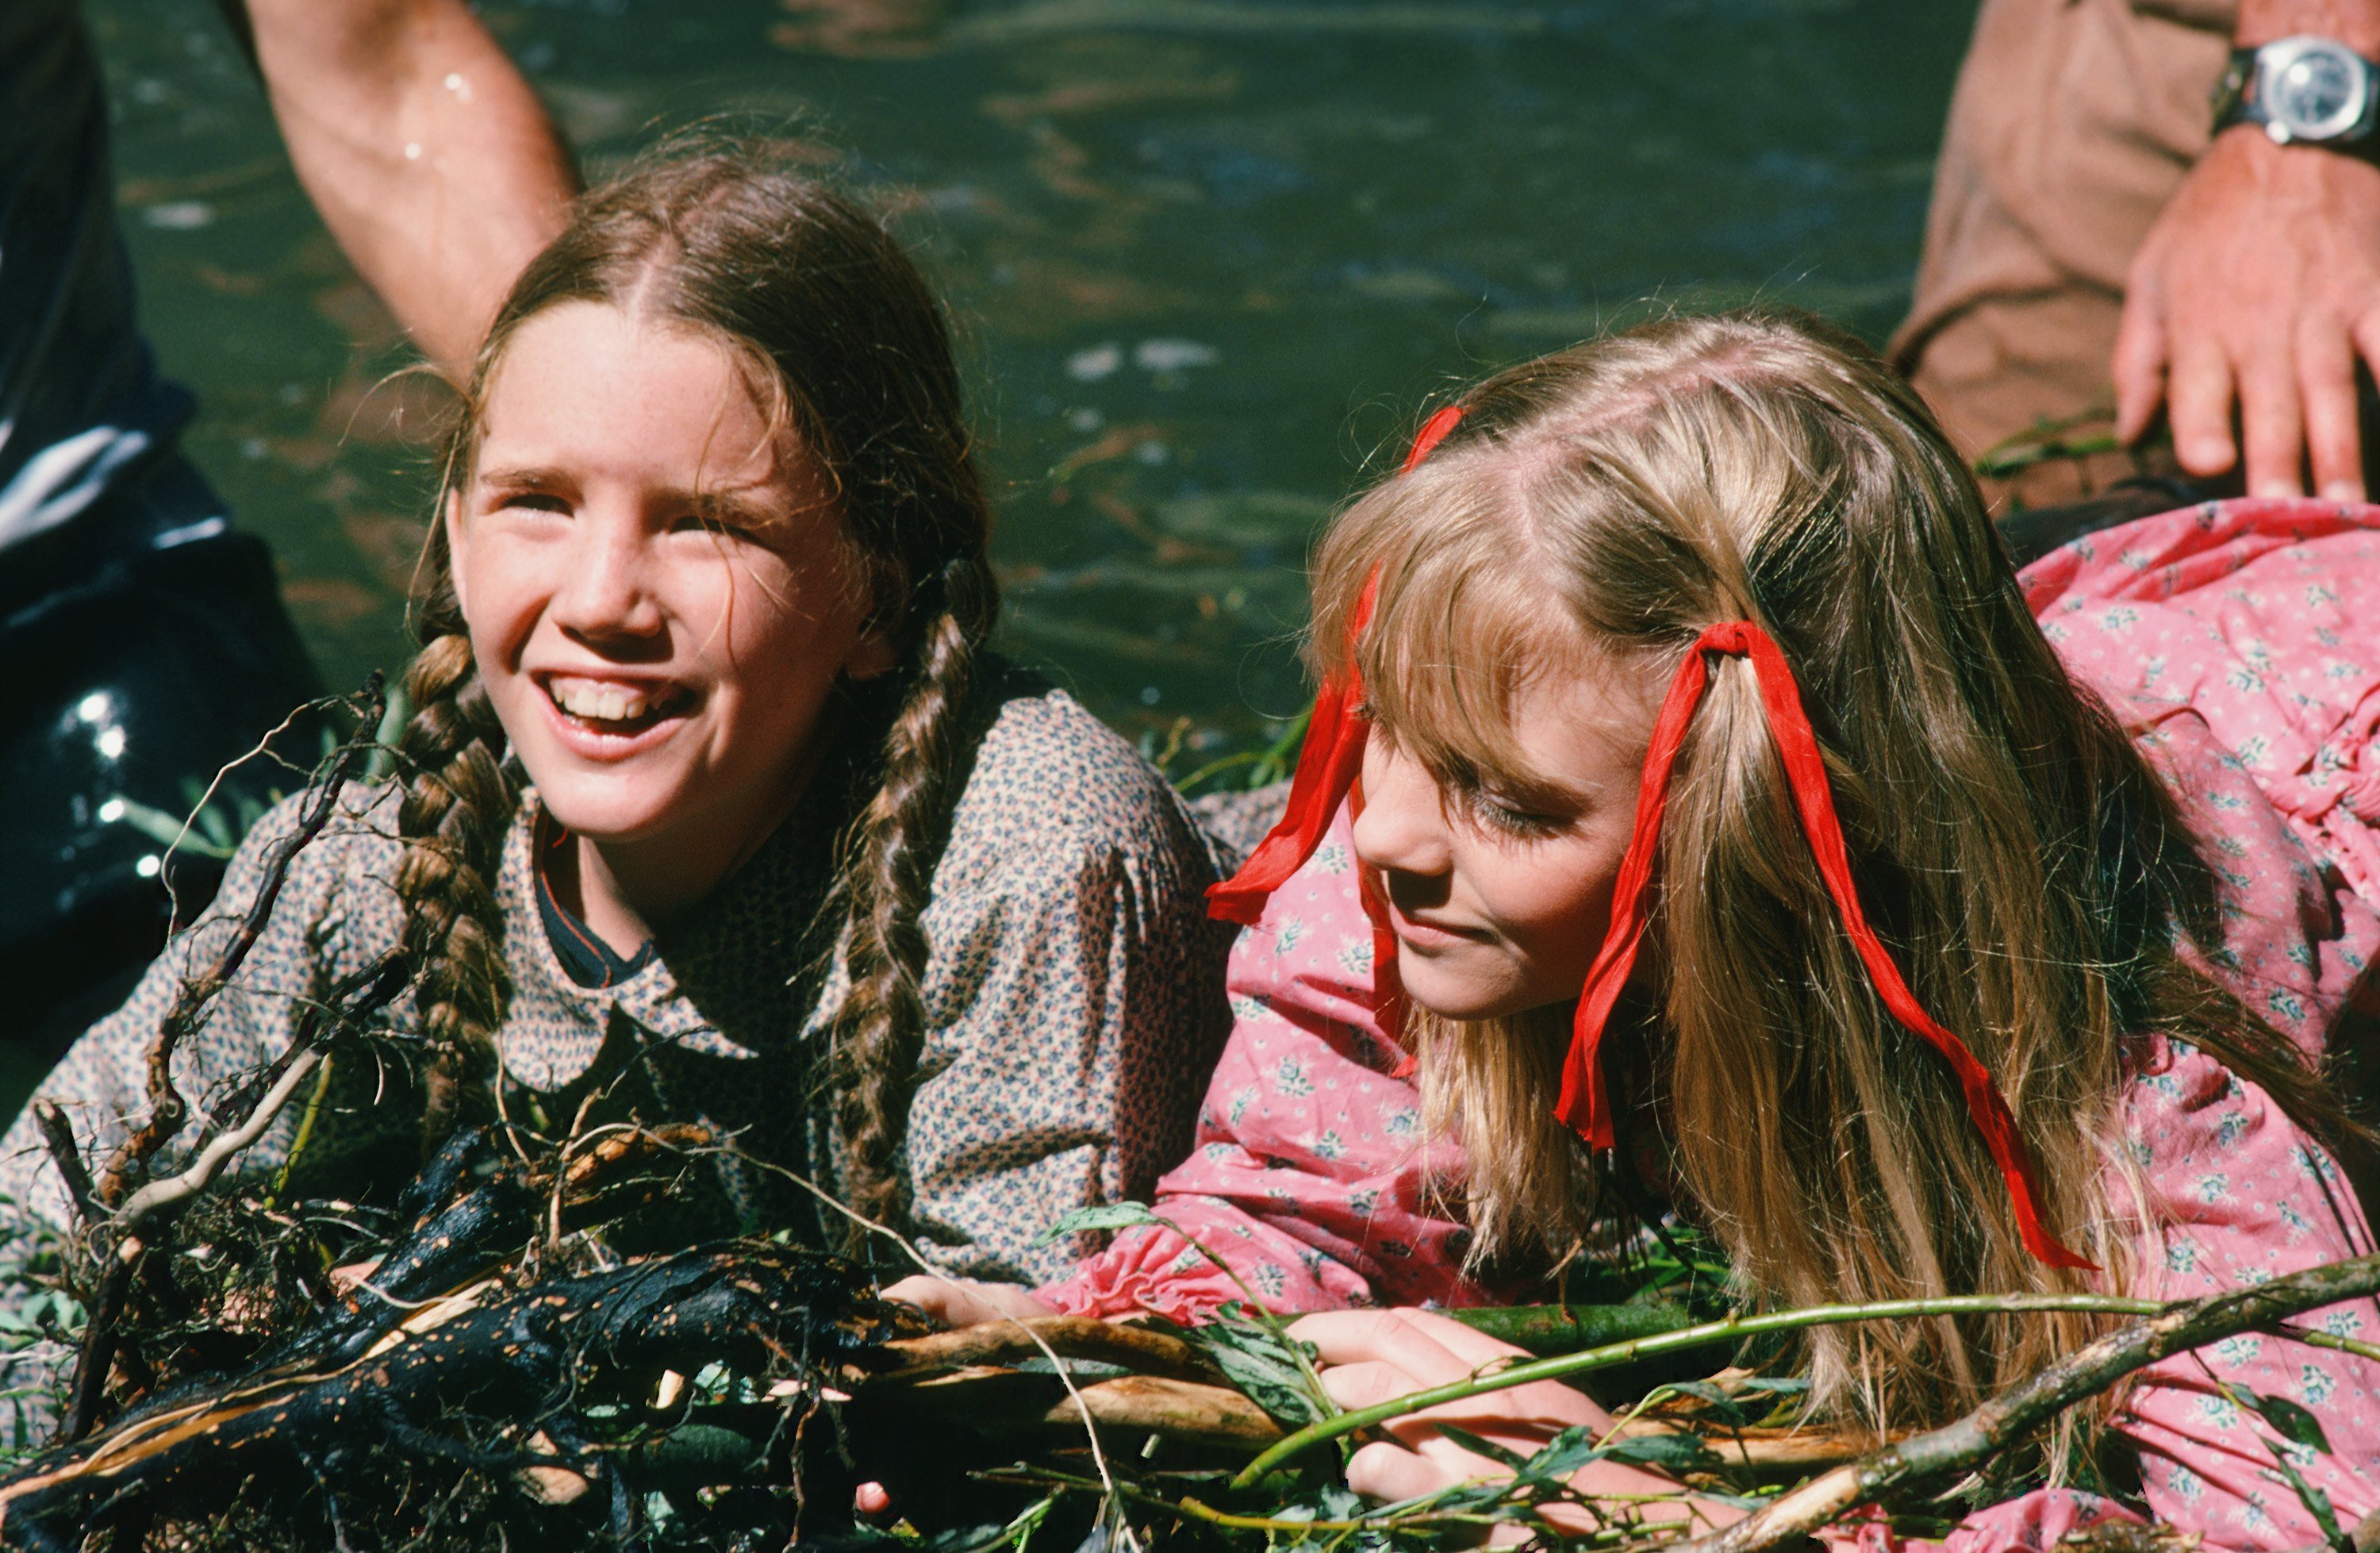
1209,258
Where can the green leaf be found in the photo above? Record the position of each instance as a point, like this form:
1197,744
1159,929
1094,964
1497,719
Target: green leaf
1260,1361
1479,1445
1112,1215
1562,1455
164,829
1722,1406
1666,1452
2289,1420
2317,1503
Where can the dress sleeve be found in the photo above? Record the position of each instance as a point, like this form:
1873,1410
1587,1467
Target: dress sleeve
102,1085
2232,1193
2224,1191
1075,1003
1310,1183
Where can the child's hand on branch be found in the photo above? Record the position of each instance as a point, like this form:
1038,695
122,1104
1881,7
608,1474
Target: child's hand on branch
1372,1356
964,1302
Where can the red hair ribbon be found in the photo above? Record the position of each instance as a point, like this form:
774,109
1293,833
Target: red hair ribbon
1433,432
1327,766
1584,1105
1328,762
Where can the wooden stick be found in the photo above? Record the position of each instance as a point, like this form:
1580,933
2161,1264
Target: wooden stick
67,1155
1069,1337
1959,1447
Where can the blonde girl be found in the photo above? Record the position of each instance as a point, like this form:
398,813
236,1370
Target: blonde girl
1704,803
714,805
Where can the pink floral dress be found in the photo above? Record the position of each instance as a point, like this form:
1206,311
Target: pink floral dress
2240,643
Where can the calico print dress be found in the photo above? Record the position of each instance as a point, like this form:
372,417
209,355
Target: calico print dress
2240,643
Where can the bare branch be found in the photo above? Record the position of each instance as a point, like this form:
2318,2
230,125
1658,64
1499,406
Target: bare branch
159,1195
1959,1448
167,1109
67,1155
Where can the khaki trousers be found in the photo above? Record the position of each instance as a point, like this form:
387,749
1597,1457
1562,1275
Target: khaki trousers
2071,125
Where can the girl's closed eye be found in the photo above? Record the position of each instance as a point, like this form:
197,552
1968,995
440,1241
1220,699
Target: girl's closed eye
1513,815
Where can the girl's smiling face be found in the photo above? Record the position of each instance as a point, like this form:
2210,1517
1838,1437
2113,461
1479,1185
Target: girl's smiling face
1500,898
659,592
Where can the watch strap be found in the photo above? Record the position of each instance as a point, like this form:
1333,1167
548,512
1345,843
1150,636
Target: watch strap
2236,100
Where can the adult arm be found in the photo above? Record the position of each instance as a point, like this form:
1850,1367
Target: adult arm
432,160
2259,286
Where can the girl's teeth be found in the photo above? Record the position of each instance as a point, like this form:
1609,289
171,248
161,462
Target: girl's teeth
597,702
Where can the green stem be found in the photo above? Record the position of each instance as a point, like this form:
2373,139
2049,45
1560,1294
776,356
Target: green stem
305,1131
1547,1329
1690,1337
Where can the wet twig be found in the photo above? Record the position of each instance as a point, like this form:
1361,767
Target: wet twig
115,1249
1734,1329
67,1155
167,1109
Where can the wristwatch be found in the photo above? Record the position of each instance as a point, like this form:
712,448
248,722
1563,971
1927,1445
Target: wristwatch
2305,90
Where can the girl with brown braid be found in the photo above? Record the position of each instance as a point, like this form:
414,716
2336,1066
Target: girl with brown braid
713,805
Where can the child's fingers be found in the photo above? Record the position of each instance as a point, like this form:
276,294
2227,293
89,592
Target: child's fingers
1361,1385
1472,1346
1388,1472
1358,1336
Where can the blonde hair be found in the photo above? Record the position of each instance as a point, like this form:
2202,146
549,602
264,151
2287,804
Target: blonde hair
1596,510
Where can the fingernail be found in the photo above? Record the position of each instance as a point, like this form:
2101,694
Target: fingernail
2275,490
2342,491
2207,455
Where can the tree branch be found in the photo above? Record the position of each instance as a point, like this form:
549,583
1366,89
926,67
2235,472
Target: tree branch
167,1109
1958,1447
67,1155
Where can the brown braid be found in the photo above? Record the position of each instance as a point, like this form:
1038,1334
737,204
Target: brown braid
740,242
457,806
882,1032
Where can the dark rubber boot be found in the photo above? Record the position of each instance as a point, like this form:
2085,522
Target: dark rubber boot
141,647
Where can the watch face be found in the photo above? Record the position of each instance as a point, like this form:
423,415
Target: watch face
2316,91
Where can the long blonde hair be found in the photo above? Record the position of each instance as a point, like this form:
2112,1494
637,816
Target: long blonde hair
2025,866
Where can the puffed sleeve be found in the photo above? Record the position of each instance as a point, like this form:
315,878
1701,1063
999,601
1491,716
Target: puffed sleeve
1310,1183
1074,997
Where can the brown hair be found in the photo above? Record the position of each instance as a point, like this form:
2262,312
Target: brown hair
845,338
1593,511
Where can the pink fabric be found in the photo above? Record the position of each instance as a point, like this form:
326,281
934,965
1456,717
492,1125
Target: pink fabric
2240,643
1309,1174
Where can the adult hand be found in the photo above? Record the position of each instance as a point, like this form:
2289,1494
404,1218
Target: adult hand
1372,1356
964,1302
2259,282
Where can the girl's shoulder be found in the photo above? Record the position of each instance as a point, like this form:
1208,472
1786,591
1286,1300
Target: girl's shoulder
344,838
1046,774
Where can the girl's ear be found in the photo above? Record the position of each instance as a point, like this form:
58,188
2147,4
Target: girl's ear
453,518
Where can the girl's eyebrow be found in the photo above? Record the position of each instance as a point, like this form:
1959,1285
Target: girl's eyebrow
730,507
523,477
733,509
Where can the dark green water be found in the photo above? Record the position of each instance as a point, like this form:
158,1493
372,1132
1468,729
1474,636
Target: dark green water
1207,258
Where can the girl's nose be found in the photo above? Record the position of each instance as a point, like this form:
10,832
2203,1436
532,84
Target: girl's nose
1402,826
608,591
